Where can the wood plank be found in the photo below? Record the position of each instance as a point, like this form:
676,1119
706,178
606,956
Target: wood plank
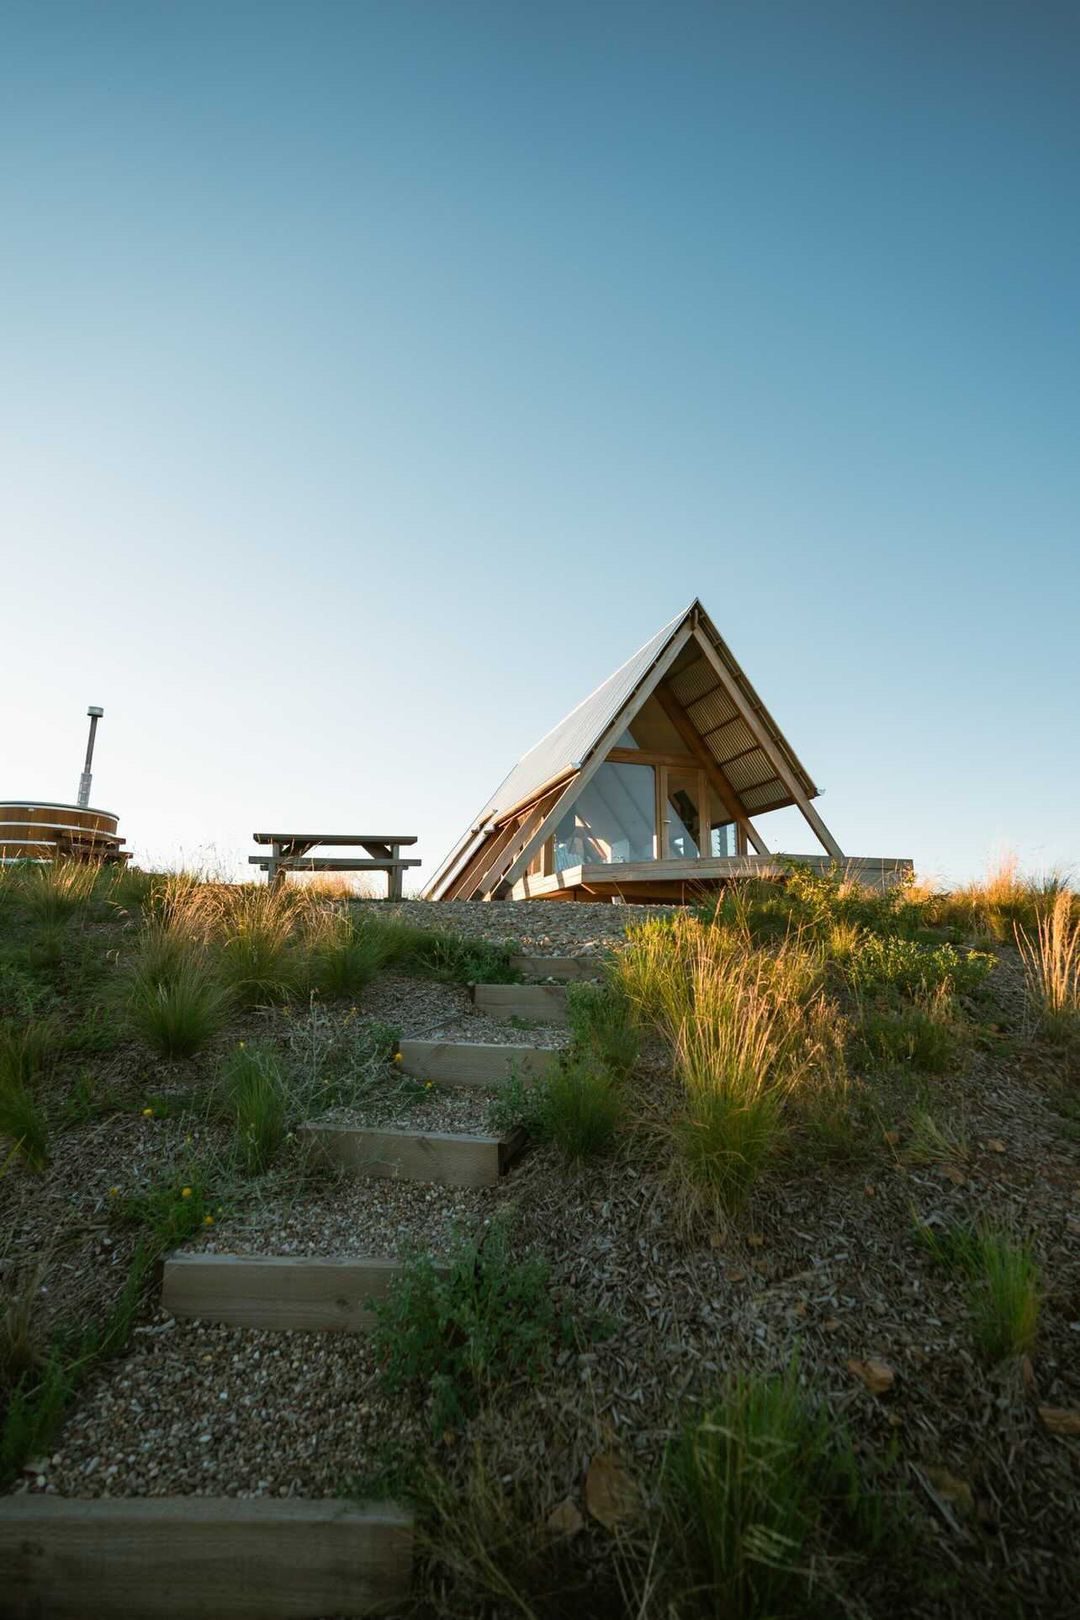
200,1558
434,1156
474,1063
333,838
277,1291
546,1002
558,967
329,863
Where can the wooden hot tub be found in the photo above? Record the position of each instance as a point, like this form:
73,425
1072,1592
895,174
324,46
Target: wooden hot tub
49,832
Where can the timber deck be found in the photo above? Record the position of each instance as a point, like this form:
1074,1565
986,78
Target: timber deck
678,880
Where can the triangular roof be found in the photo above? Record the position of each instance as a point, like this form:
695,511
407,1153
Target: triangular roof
712,702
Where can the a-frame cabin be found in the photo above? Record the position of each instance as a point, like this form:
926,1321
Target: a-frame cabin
647,790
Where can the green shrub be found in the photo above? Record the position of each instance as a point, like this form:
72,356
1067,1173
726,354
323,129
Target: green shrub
577,1107
891,967
757,1488
451,1334
253,1095
178,1015
54,892
602,1027
1003,1279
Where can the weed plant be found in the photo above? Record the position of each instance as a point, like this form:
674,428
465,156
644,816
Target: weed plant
451,1335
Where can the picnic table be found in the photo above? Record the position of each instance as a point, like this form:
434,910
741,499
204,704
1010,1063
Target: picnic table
289,852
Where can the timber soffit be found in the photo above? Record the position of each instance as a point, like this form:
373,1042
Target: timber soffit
707,705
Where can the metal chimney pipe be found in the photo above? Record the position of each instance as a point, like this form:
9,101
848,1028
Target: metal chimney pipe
84,780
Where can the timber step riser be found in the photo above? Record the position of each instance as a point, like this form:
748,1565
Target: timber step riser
542,1003
438,1158
474,1064
191,1557
568,969
278,1292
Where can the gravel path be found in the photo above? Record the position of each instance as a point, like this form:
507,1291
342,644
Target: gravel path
210,1411
424,1011
559,928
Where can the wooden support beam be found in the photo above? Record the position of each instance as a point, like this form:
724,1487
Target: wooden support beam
193,1557
772,749
730,799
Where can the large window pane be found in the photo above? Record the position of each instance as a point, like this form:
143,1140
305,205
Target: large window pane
683,815
614,819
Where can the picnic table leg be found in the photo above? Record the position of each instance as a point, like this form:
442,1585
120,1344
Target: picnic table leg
393,877
275,873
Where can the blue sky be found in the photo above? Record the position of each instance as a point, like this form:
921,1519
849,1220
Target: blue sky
378,376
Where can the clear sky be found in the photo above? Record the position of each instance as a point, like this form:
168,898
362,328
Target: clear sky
377,376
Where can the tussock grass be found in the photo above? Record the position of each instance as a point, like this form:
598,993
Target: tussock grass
344,954
1051,957
56,891
756,1488
253,1095
178,1014
1003,1279
756,1046
28,1053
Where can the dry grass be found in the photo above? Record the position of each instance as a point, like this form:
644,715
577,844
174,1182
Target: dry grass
1052,964
1005,899
755,1044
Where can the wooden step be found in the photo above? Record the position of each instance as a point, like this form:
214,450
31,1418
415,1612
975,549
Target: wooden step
277,1291
540,1003
473,1063
558,967
196,1557
437,1156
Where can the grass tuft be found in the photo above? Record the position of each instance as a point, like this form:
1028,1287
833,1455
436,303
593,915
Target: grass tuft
1003,1279
756,1488
1051,959
254,1096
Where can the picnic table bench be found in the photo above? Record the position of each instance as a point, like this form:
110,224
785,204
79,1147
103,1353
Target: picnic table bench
289,852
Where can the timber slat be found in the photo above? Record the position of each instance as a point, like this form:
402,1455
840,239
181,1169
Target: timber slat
474,1063
566,968
277,1291
543,1002
433,1156
199,1558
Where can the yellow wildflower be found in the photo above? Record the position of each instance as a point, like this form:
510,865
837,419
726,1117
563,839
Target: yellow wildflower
114,1192
208,1220
241,1044
397,1057
148,1113
185,1192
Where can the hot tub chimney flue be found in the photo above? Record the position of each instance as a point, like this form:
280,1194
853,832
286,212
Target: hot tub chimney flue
84,780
